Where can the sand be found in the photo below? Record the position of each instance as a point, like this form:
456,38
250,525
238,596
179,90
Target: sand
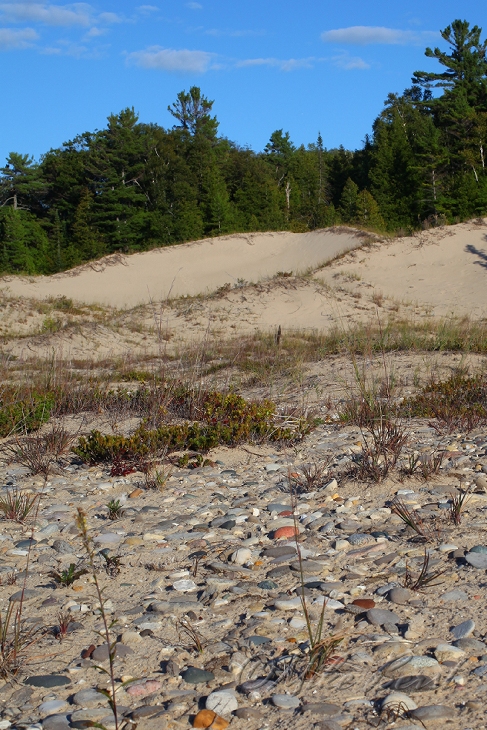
188,269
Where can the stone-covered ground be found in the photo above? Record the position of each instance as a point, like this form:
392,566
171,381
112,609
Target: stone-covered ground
211,559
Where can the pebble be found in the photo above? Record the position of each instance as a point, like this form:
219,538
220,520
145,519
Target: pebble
400,596
194,675
381,616
48,680
241,556
463,630
477,560
223,702
433,712
396,700
285,702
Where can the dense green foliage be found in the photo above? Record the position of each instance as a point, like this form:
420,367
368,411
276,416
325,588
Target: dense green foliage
134,186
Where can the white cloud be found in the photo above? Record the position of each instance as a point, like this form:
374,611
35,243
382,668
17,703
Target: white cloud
147,9
64,15
95,32
350,63
168,59
289,64
234,33
194,6
110,18
10,39
363,35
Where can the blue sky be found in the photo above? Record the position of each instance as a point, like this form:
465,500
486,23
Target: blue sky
303,67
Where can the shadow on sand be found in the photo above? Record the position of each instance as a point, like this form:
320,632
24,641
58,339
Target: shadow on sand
478,252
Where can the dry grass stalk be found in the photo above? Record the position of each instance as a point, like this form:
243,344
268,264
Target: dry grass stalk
424,579
412,520
457,503
17,505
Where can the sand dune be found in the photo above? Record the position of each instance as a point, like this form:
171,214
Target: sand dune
188,269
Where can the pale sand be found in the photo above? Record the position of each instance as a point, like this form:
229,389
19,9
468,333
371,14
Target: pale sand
188,269
432,274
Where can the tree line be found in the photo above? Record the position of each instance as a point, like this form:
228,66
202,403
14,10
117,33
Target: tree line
133,186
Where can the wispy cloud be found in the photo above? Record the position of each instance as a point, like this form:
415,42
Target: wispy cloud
194,6
11,39
217,33
147,9
173,61
364,35
350,63
290,64
39,12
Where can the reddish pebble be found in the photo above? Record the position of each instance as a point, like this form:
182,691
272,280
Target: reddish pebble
286,531
86,653
136,493
204,719
286,513
365,603
144,689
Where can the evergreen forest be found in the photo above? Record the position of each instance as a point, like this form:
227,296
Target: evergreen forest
132,186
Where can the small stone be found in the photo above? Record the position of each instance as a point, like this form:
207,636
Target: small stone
222,702
48,680
360,538
398,699
432,712
194,675
477,560
288,604
184,586
472,647
101,653
52,722
88,698
365,603
482,549
413,683
447,653
144,689
381,616
285,702
454,595
27,594
63,547
286,531
107,538
463,630
248,713
267,585
136,493
241,556
399,595
52,707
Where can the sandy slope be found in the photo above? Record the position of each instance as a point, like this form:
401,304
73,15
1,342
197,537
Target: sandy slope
188,269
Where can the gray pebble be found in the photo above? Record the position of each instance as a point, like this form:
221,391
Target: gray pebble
399,595
433,712
381,616
463,630
285,702
477,560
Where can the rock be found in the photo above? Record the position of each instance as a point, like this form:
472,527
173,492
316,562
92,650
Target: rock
53,722
477,560
285,702
89,698
364,603
454,595
288,604
404,666
447,653
28,594
287,531
482,549
222,702
399,595
143,689
107,538
52,707
360,538
241,556
472,647
63,547
248,713
413,683
184,586
381,616
48,680
209,719
463,630
194,675
398,699
267,585
101,652
433,712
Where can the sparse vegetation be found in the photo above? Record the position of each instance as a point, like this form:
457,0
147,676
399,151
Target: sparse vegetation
18,505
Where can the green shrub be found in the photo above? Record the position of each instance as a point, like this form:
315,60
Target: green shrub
25,415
